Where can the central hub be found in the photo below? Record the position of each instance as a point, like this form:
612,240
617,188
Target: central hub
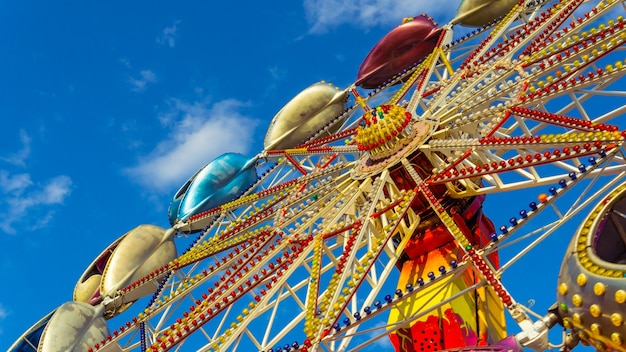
384,130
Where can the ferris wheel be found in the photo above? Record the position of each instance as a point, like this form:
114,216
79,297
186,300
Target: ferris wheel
362,224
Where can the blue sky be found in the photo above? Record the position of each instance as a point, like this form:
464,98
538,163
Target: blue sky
108,107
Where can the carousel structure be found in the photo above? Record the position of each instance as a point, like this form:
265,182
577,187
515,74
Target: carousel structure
363,220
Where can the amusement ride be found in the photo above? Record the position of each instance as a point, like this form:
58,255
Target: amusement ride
361,222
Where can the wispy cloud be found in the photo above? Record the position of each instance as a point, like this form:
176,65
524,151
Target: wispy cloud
276,76
382,343
3,312
200,132
139,83
125,62
3,315
14,183
19,158
323,15
21,198
168,35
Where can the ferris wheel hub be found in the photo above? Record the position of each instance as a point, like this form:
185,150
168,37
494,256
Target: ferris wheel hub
384,155
384,130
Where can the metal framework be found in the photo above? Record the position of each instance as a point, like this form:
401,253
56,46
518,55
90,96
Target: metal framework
307,258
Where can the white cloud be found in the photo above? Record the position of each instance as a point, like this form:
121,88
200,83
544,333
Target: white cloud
14,183
138,84
22,198
168,35
199,133
323,15
19,158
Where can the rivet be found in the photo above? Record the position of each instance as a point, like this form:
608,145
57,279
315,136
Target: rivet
581,280
617,338
595,310
567,323
577,300
576,319
563,288
620,296
616,319
599,288
595,328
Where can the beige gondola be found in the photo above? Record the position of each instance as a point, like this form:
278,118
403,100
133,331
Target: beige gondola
133,256
478,13
304,115
74,326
